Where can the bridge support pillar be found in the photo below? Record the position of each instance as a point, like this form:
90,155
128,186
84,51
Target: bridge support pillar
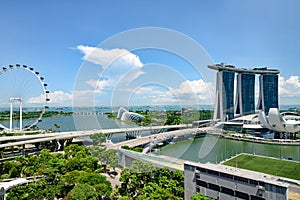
69,141
108,138
156,131
23,149
12,149
133,134
37,145
61,144
54,145
1,153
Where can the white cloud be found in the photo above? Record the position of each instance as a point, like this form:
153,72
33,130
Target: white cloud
199,88
188,92
105,58
289,87
117,65
294,81
144,90
56,97
164,99
60,98
98,85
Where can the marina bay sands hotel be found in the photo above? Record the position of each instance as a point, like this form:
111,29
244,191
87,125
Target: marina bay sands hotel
225,105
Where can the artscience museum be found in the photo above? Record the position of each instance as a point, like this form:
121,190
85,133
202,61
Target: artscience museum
286,123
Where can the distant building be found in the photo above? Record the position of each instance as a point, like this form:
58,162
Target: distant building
125,115
245,99
268,92
225,109
229,183
224,95
276,122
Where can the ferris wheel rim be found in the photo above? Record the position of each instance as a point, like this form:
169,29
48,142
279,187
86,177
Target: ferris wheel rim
3,70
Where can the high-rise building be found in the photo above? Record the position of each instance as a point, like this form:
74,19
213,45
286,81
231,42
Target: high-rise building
224,105
245,99
268,92
225,109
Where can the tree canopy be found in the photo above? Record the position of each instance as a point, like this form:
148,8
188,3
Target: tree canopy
200,197
74,175
59,175
144,181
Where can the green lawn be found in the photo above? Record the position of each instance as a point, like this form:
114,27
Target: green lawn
276,167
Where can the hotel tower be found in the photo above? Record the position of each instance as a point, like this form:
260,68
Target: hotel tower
226,108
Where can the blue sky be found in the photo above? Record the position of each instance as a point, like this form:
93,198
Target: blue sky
58,37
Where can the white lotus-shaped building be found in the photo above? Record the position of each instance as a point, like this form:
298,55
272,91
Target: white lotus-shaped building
276,122
125,115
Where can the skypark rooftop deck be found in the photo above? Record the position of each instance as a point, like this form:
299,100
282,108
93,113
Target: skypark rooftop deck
263,70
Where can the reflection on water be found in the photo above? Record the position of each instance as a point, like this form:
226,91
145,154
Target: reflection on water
196,150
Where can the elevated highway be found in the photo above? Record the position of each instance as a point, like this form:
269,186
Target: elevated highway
38,138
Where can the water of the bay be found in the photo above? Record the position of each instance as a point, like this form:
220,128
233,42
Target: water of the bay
216,149
81,122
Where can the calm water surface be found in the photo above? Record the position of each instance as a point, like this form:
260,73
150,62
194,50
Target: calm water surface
81,122
214,149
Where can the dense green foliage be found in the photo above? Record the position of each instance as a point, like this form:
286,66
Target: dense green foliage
272,166
83,192
58,174
112,115
19,134
147,117
75,175
137,149
205,114
172,117
144,181
105,157
200,197
98,138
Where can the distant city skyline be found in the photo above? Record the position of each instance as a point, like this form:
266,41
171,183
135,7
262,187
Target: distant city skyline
60,38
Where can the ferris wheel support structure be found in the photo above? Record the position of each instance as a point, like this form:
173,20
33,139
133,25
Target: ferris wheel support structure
11,113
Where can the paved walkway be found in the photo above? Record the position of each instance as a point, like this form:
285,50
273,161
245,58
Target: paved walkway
294,192
114,180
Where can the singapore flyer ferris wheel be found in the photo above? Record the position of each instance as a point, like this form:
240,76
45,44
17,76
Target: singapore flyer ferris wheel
23,98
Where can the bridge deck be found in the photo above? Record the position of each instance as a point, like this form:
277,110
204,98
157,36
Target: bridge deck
31,139
155,138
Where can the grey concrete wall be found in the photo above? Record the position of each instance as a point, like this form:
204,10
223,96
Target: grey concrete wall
189,183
